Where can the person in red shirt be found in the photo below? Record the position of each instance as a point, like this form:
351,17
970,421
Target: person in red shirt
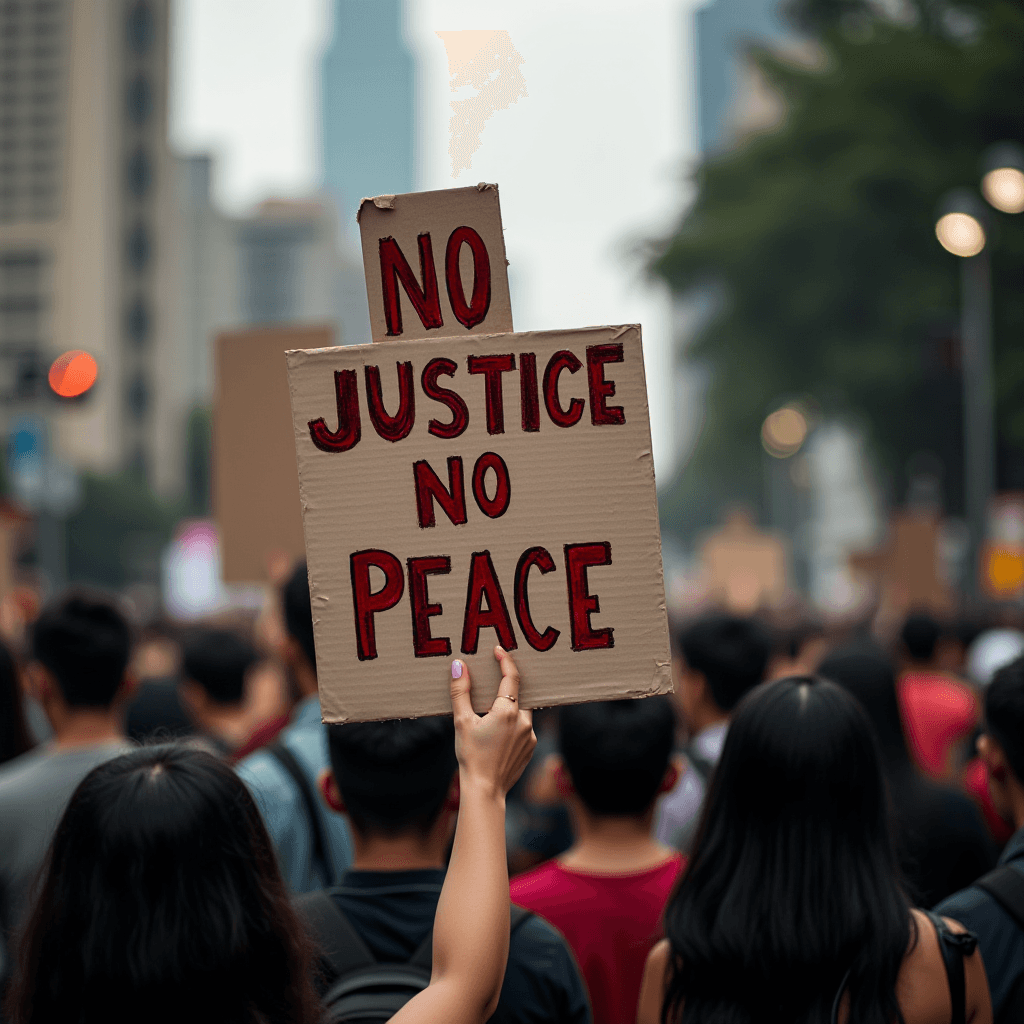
606,893
939,712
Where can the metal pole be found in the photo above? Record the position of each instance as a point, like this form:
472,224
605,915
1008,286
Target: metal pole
51,534
979,406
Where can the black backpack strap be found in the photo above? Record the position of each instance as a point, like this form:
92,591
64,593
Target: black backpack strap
1012,1010
340,945
424,955
287,760
954,946
1006,886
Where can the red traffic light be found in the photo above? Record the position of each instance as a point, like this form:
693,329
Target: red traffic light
73,373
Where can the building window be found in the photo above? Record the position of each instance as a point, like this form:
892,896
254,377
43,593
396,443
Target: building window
138,173
138,99
22,298
138,322
29,375
138,398
139,26
138,248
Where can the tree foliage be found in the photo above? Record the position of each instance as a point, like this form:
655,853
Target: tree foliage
819,236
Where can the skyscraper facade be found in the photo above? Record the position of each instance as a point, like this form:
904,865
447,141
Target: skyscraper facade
368,112
87,228
722,30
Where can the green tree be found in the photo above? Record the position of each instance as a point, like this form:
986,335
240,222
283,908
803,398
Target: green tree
819,237
118,533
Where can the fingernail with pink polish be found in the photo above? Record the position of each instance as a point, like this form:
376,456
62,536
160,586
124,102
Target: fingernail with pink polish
456,670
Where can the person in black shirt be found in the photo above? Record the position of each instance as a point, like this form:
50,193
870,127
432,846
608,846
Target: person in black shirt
942,841
397,783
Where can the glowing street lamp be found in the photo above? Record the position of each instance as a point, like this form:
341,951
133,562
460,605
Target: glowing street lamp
1002,183
963,228
784,432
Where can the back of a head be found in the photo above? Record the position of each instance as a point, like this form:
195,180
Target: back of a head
865,672
298,612
793,879
616,752
920,635
730,652
84,641
218,660
394,776
1004,714
161,884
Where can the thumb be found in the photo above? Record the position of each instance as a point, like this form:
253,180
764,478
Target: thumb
462,705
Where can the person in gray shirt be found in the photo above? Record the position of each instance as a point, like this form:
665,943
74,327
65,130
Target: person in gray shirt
80,647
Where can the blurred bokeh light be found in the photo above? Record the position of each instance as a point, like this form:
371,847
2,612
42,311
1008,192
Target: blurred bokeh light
1004,189
783,432
73,373
961,234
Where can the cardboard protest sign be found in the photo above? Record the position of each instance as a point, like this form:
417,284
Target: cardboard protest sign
744,569
464,492
255,483
435,264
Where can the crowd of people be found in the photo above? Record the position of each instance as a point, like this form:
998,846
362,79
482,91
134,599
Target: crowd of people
819,825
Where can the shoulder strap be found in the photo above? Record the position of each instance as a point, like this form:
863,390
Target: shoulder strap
1006,886
338,942
1012,1010
287,760
424,955
954,946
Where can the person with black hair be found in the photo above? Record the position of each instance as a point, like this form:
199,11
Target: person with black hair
993,907
80,646
15,736
940,711
215,663
607,891
161,898
398,784
313,846
942,841
721,658
791,909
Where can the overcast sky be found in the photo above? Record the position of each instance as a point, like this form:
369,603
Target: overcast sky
589,163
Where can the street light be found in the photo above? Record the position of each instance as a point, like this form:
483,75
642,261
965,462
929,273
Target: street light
963,228
960,228
1002,182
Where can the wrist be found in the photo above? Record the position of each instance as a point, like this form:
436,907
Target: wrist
481,788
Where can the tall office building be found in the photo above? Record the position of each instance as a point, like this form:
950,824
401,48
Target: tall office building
368,133
368,96
87,228
722,30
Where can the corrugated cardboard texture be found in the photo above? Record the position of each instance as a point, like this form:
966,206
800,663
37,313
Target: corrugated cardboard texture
255,484
407,218
581,484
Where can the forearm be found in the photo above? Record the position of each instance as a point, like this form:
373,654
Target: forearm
471,926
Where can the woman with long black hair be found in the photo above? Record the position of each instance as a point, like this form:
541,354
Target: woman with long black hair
161,900
791,909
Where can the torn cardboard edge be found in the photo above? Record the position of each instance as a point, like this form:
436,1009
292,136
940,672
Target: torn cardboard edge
387,200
